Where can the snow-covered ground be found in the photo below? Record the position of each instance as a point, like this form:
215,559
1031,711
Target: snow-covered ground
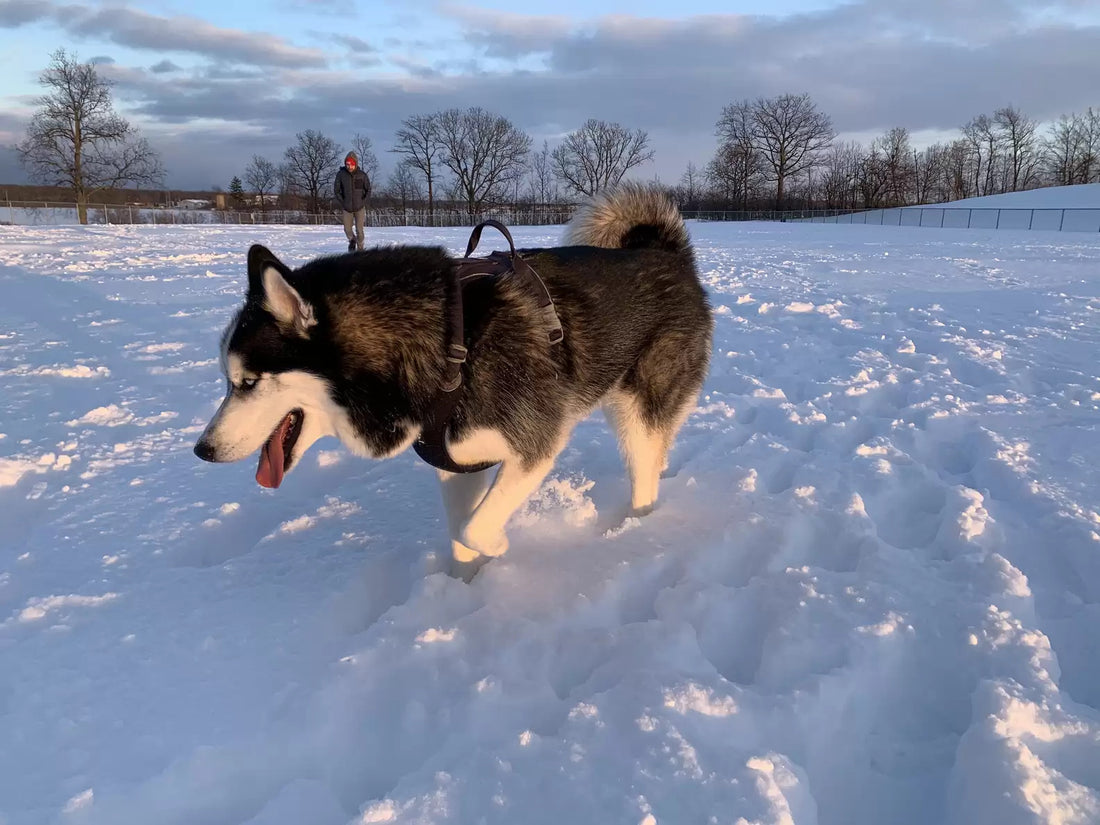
1054,208
870,593
1079,196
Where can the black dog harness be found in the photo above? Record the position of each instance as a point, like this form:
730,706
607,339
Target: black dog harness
432,443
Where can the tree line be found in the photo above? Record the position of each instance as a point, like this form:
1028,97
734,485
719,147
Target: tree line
782,153
471,157
772,152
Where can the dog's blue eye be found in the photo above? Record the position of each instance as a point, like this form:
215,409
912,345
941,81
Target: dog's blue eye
249,383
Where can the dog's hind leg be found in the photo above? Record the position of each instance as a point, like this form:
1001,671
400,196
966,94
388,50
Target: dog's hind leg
644,449
462,493
650,405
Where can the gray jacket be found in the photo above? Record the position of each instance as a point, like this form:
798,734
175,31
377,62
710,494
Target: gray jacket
352,189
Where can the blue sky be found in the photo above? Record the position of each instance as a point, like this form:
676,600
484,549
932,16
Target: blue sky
210,83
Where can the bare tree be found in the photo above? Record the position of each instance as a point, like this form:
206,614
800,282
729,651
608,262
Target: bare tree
485,152
790,133
738,165
1021,147
840,175
1064,149
960,164
287,190
1090,172
896,161
368,161
986,144
872,178
1073,147
77,140
929,169
404,185
690,189
418,141
262,177
312,163
598,155
734,174
542,186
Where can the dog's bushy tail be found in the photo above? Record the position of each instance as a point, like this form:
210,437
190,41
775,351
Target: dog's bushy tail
630,216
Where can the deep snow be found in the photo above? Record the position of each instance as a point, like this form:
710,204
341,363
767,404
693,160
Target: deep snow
870,593
1078,196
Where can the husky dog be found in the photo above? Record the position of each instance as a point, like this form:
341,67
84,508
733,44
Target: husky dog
355,346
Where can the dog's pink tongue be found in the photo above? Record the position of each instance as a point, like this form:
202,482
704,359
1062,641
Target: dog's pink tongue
270,472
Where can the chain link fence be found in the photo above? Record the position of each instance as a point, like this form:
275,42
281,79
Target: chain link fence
40,213
948,217
764,214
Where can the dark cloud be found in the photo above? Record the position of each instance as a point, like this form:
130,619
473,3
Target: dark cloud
11,171
352,43
164,67
14,13
357,51
11,132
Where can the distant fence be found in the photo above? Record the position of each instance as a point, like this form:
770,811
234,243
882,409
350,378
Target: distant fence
765,214
947,217
39,213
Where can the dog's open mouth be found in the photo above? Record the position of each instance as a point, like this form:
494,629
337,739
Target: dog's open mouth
276,452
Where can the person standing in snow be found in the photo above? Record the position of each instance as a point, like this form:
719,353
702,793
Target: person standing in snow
352,191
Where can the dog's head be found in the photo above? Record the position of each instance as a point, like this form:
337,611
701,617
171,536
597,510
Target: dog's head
278,369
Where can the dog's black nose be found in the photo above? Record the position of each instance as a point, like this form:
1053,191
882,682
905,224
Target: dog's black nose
204,450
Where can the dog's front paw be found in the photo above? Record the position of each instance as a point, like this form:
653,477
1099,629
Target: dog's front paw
493,544
466,565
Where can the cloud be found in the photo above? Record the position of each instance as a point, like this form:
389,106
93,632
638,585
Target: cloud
140,30
15,13
929,65
671,79
10,171
355,44
508,34
163,67
11,129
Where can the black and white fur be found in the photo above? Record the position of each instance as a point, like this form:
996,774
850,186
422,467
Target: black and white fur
353,346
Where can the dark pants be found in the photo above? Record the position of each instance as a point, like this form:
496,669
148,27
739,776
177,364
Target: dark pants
359,216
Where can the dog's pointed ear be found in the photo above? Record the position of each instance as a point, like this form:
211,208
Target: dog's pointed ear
259,258
267,282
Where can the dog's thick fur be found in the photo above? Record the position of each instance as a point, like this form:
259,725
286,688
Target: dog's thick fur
354,346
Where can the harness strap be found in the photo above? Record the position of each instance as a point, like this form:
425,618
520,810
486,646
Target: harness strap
524,272
431,446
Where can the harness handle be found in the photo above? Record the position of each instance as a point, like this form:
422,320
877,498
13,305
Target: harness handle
431,445
475,237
